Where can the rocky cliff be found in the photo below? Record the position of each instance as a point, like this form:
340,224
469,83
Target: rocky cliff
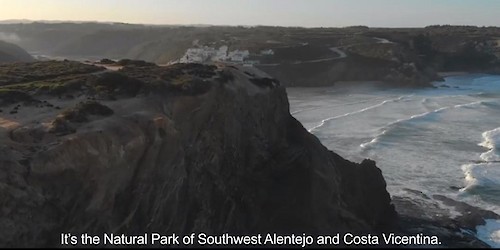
182,149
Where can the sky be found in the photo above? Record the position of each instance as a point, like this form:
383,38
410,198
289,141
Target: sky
307,13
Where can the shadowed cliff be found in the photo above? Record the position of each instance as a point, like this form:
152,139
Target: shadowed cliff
185,148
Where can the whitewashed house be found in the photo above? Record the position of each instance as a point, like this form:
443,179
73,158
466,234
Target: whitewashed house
210,54
198,55
267,52
221,54
238,55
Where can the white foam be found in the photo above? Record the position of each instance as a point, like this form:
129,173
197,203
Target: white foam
482,175
392,125
491,140
490,233
414,149
331,106
466,105
470,177
324,121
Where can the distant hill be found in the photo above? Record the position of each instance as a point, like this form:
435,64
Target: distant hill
300,56
12,53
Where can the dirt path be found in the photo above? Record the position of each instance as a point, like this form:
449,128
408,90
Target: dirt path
341,54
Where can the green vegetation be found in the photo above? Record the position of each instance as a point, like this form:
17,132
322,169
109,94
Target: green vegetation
70,79
189,79
302,53
136,63
56,86
112,83
8,97
14,73
193,69
81,111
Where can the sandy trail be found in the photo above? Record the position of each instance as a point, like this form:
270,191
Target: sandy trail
341,55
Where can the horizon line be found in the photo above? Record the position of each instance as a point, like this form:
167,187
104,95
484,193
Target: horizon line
58,21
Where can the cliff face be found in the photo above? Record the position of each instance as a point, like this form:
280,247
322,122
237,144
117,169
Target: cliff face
227,157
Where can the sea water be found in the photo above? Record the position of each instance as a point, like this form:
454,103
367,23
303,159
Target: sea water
443,140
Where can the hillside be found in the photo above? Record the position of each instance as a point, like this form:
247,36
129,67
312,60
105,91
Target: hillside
12,53
402,57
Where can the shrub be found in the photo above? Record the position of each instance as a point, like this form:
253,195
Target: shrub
82,110
136,63
114,82
107,61
8,97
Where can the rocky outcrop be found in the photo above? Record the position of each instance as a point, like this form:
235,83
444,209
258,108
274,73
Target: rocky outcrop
229,158
454,222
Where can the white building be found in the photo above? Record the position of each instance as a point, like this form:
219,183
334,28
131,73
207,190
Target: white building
193,55
238,55
210,54
267,52
221,54
197,55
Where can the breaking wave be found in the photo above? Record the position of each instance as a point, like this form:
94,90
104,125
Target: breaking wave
325,121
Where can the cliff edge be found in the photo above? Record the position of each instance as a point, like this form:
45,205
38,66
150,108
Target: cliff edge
186,148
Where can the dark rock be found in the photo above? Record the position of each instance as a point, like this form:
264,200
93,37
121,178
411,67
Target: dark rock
265,82
134,63
225,76
417,193
82,110
249,74
423,214
471,216
107,61
228,160
61,127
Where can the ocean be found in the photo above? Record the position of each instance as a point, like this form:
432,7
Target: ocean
443,140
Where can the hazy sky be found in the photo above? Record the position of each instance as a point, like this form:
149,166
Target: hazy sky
375,13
